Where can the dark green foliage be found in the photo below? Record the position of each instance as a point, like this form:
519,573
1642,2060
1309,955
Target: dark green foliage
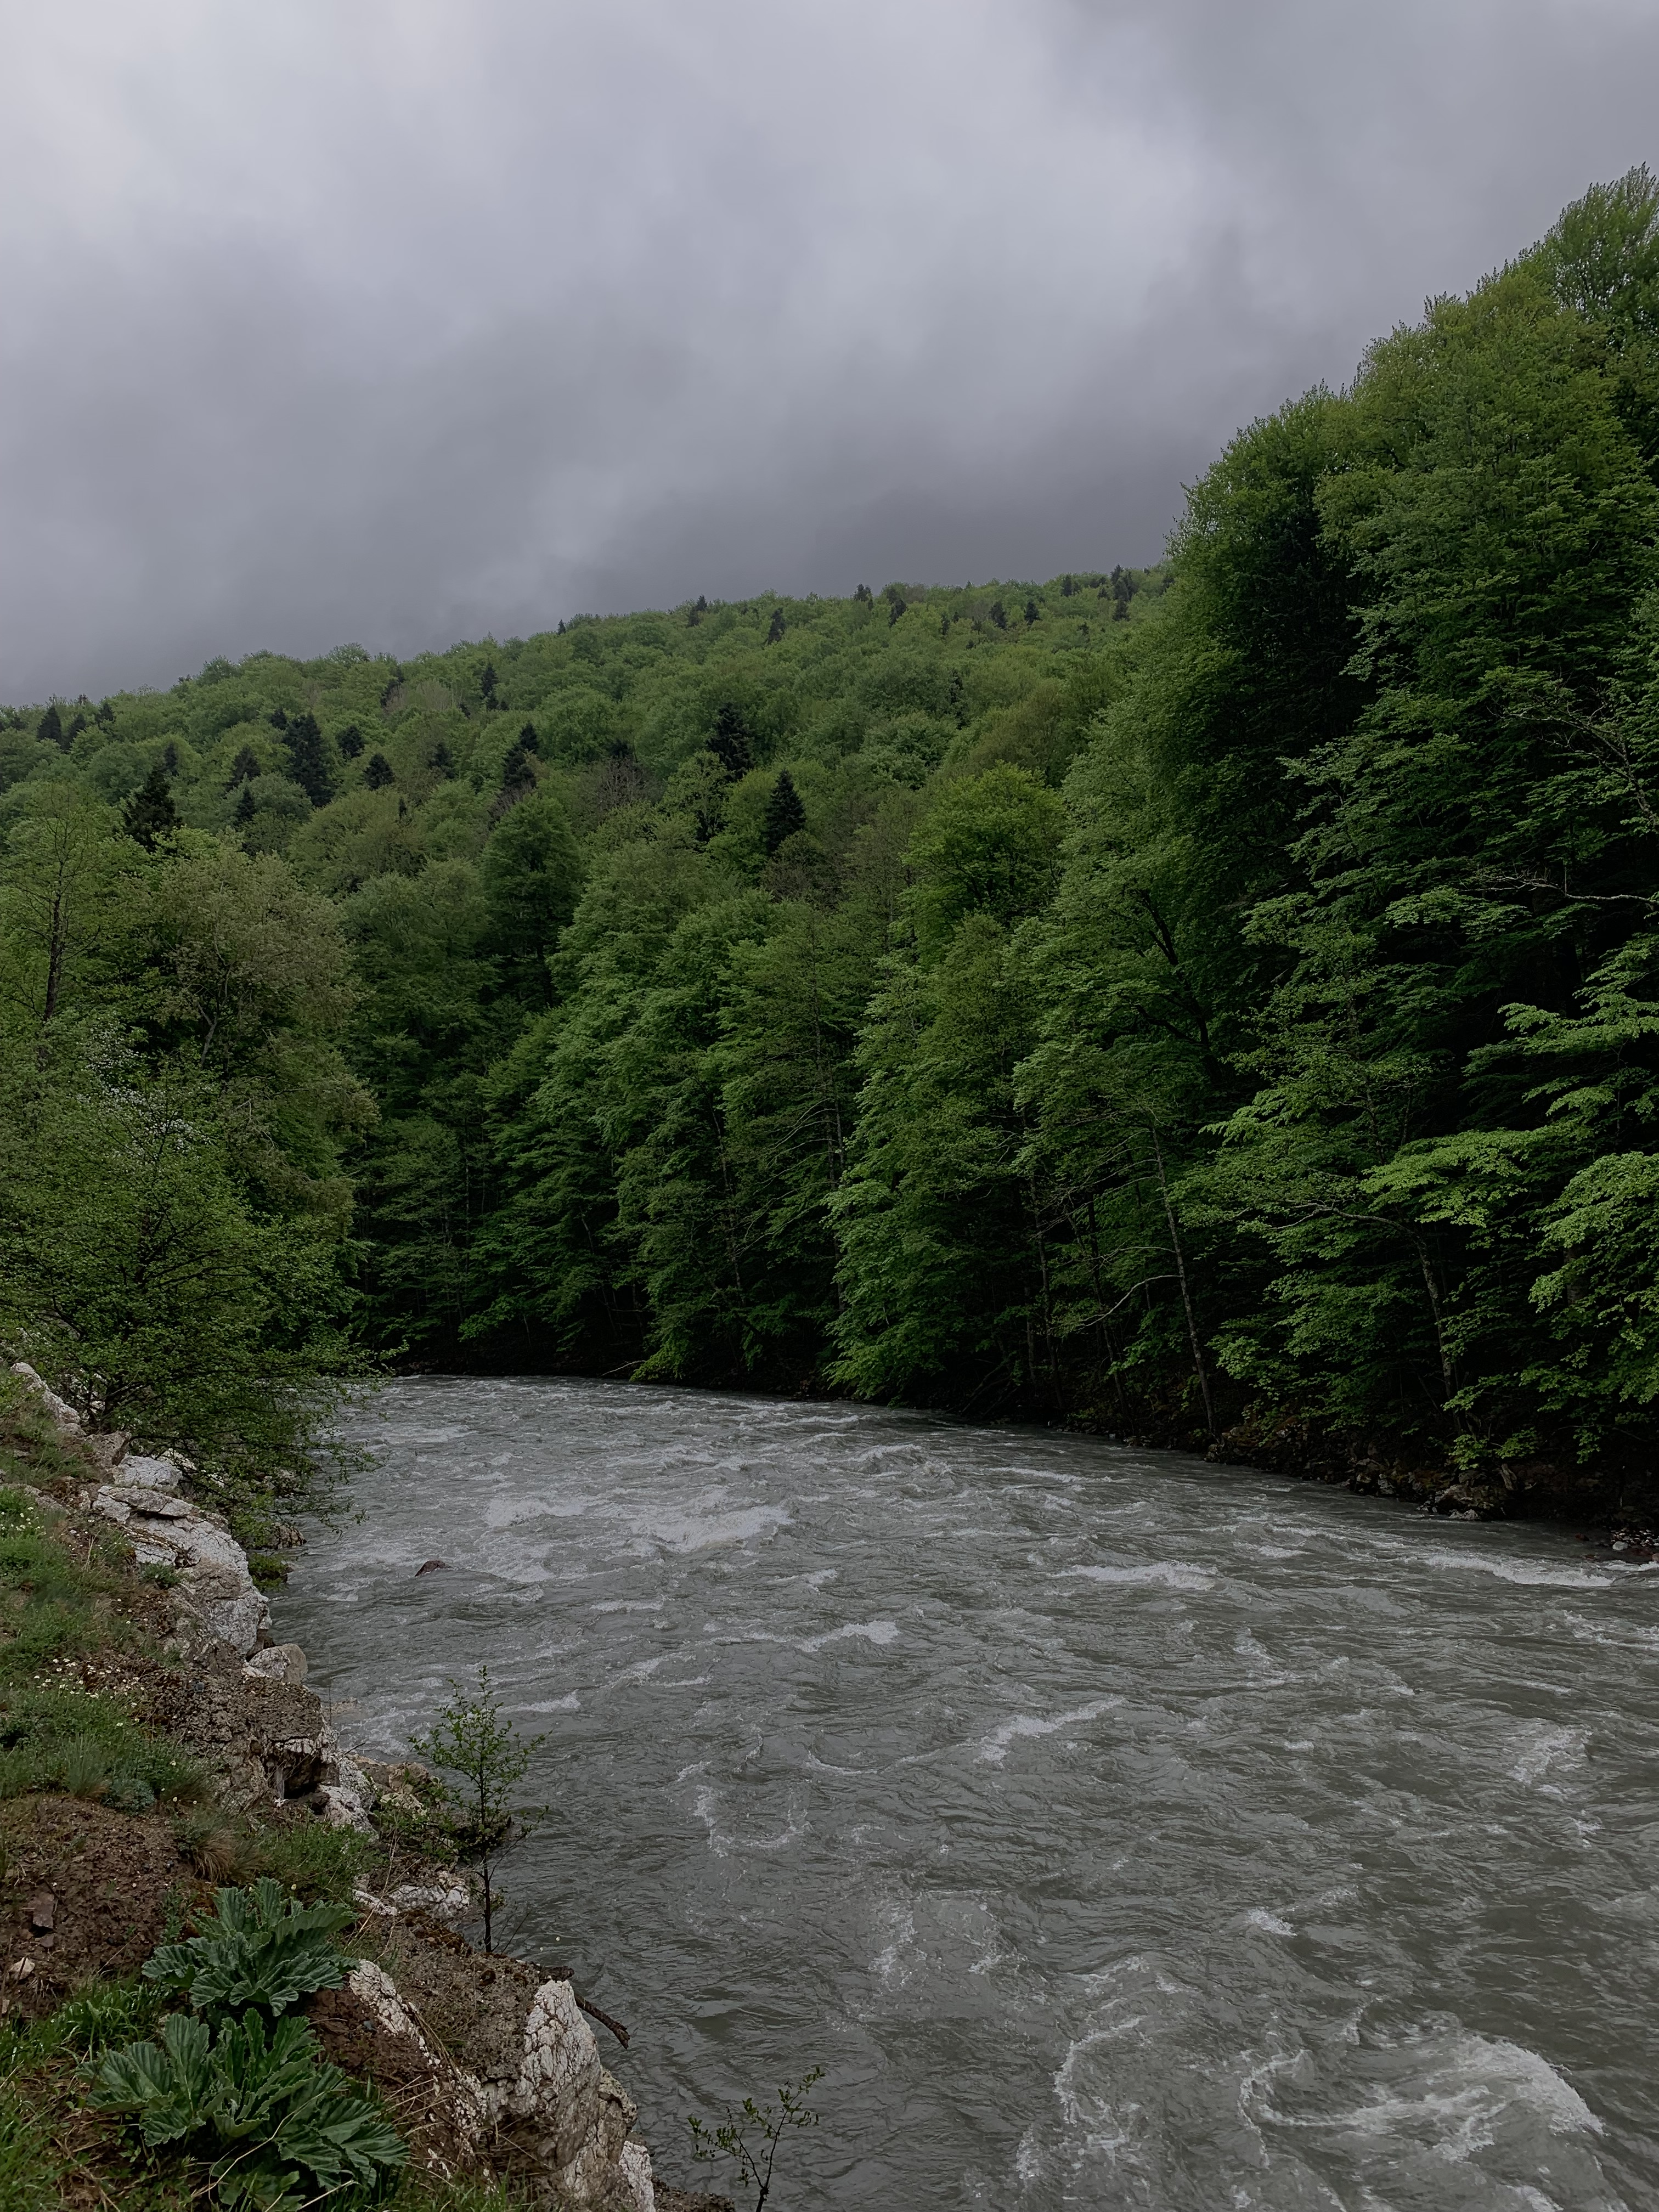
276,2125
150,814
1232,983
351,742
50,728
261,1949
308,756
732,743
784,815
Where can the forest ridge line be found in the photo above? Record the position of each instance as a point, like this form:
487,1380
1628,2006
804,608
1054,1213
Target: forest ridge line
1210,1002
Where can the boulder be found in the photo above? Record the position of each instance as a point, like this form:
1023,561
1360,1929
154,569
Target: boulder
169,1531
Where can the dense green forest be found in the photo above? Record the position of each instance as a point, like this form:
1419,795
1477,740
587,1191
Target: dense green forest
1184,1000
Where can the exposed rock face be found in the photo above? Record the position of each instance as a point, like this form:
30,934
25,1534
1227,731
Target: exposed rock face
520,2089
513,2083
169,1531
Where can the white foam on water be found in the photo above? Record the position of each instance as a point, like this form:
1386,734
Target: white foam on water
705,1805
573,1703
1173,1574
1525,1572
993,1748
701,1532
870,1631
1269,1923
1455,2099
1543,1745
627,1604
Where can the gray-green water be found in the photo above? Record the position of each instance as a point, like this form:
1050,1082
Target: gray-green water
1114,1829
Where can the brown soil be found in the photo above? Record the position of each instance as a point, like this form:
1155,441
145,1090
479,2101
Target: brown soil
355,2039
113,1879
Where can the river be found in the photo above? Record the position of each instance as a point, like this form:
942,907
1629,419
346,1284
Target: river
1115,1830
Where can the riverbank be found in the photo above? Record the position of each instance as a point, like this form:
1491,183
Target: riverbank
157,1745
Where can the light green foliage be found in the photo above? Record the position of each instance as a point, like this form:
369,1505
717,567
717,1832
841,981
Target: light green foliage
261,1949
487,1759
751,2134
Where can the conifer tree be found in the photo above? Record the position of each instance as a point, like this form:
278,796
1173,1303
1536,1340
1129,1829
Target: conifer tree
774,635
732,744
50,728
350,741
376,772
150,814
309,758
784,814
244,767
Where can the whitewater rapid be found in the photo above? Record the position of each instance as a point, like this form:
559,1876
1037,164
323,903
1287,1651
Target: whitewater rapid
1114,1830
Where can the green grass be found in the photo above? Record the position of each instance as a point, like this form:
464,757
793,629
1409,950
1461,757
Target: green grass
317,1863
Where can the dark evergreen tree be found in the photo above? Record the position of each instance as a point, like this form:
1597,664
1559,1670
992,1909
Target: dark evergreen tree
863,595
278,718
1032,611
309,758
350,741
150,814
487,681
376,772
732,743
245,808
518,777
105,716
442,759
999,614
784,812
244,767
76,726
50,728
774,635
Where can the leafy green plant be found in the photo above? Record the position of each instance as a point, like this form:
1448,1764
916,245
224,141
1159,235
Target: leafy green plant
262,1948
750,2133
473,1742
277,2125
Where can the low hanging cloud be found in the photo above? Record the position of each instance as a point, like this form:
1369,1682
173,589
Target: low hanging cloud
403,321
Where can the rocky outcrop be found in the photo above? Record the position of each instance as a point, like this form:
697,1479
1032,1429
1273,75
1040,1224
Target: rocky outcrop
490,2067
513,2086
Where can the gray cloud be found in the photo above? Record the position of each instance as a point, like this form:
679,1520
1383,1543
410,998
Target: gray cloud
419,317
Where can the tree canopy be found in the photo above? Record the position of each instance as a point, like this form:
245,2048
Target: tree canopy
1221,993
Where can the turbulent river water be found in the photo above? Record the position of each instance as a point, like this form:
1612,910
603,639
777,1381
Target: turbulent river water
1114,1830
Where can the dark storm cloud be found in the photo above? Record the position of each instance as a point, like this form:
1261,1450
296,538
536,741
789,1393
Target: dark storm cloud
399,322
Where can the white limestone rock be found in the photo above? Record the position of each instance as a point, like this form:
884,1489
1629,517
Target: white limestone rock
60,1409
635,2168
167,1531
278,1662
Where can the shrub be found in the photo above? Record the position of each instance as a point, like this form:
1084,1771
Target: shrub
277,2125
262,1948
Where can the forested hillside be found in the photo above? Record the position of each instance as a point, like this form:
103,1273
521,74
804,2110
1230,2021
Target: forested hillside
1163,999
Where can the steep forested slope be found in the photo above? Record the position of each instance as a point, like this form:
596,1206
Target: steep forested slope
1136,997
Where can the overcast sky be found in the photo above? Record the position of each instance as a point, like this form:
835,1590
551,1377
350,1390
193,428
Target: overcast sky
405,320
